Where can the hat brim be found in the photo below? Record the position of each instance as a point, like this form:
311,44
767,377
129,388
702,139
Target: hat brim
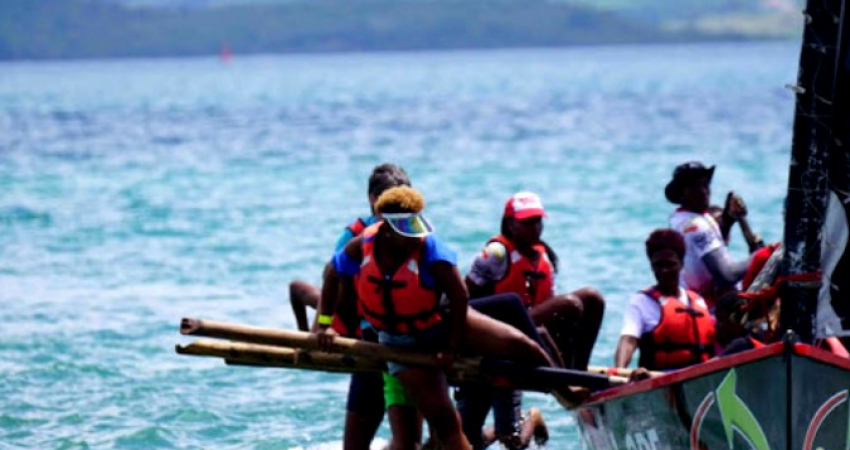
674,189
529,214
409,225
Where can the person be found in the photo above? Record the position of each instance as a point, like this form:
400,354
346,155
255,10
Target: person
369,395
400,270
303,294
670,325
474,400
709,269
519,261
735,332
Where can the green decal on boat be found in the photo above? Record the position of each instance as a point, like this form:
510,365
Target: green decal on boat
736,415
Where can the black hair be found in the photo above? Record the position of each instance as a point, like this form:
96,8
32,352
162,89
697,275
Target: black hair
550,253
665,239
386,176
729,304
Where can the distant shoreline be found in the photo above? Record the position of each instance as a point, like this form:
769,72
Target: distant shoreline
88,29
236,55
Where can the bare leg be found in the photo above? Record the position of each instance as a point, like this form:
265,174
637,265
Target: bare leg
360,429
405,426
429,390
532,427
591,321
488,336
573,321
432,443
537,427
301,295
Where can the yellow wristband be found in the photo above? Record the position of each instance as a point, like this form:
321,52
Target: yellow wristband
325,319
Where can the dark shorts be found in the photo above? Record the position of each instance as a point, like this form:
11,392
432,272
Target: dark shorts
366,393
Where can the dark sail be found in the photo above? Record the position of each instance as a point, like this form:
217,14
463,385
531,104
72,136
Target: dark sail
818,178
834,303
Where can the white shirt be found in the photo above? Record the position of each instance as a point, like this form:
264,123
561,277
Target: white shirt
643,313
491,265
702,235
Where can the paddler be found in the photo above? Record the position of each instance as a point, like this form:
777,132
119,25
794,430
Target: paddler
708,267
369,395
671,325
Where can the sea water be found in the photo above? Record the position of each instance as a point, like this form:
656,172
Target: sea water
137,192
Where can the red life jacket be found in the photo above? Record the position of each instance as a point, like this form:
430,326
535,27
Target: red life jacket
834,345
397,303
683,336
350,310
756,343
340,326
531,282
357,227
757,262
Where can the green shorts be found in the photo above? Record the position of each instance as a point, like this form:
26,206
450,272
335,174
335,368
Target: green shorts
394,393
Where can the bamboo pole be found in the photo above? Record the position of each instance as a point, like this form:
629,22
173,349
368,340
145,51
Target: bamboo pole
542,379
308,341
619,371
270,356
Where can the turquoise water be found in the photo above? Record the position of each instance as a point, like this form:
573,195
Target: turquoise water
134,193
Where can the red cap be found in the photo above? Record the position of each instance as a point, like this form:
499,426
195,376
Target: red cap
524,205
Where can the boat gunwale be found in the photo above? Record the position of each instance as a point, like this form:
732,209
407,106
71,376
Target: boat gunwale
715,365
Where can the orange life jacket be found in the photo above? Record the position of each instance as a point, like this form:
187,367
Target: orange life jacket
396,303
683,336
531,282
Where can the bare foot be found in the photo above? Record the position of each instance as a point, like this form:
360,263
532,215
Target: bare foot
571,396
541,432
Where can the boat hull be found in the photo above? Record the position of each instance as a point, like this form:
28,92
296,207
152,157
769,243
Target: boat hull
784,396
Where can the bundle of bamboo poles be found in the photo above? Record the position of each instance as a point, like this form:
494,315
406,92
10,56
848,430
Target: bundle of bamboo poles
269,347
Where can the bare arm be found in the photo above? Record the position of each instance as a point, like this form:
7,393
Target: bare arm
723,268
736,211
449,281
754,241
625,349
333,287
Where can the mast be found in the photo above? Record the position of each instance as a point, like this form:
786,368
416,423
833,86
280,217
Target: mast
819,142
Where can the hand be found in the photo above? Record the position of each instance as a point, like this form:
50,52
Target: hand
325,338
735,207
446,358
756,243
639,374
